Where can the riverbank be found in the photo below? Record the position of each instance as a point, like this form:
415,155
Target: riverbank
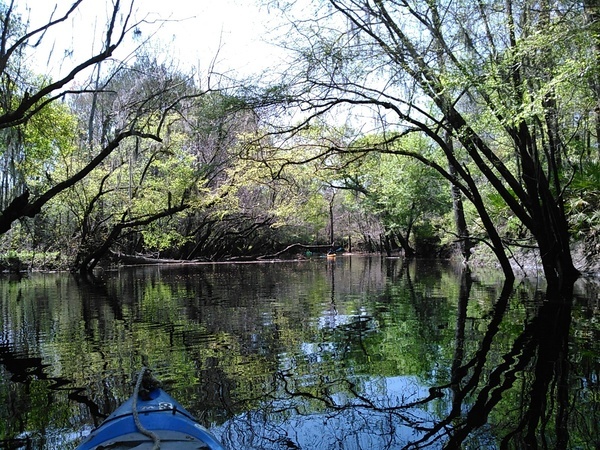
526,261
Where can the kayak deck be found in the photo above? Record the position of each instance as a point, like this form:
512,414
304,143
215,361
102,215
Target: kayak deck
156,413
169,440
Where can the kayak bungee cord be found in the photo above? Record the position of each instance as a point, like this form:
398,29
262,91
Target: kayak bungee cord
166,423
136,419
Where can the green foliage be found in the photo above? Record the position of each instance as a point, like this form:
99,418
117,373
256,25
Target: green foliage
49,139
156,238
509,95
406,195
583,202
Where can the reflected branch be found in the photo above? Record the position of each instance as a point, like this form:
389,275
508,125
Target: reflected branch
544,341
459,373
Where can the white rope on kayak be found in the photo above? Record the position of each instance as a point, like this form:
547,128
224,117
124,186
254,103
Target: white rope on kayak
136,418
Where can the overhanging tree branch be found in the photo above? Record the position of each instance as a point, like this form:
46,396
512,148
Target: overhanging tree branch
22,207
29,104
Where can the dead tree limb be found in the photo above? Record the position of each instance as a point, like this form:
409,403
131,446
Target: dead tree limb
294,246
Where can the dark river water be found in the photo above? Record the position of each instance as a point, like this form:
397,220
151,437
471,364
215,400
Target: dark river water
350,353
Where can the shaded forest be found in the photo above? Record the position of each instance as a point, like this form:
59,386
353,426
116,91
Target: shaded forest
422,128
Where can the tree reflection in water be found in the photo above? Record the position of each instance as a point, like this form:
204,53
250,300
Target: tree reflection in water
541,350
359,353
402,413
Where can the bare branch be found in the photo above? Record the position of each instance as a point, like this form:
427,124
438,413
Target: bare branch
30,103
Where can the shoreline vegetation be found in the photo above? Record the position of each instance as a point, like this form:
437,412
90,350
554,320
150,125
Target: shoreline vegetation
526,262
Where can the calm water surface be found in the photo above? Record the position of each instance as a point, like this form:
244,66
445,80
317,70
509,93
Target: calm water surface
355,353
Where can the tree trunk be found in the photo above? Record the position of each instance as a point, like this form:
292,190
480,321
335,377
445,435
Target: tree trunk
592,10
331,233
464,241
549,224
409,252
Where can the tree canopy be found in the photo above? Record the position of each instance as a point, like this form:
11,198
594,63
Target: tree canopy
424,127
505,92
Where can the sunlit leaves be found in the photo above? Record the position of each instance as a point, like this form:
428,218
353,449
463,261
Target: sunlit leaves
584,202
49,139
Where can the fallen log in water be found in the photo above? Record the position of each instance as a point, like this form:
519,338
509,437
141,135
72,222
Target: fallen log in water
289,248
146,259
